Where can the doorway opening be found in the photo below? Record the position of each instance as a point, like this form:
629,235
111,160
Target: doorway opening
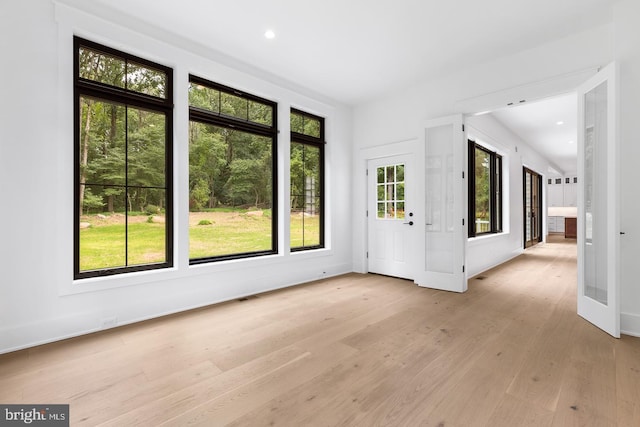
532,207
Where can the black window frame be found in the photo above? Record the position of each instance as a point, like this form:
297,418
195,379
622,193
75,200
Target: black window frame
319,142
220,119
102,91
495,189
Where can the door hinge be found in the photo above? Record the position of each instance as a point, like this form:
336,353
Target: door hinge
463,268
462,174
367,213
367,254
367,172
462,128
462,221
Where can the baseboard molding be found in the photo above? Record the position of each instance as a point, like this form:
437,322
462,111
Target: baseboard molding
630,324
507,258
51,330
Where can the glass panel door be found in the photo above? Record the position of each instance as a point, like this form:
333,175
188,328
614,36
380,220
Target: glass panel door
598,202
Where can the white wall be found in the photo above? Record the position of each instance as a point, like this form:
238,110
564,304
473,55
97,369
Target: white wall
627,53
399,116
39,301
485,252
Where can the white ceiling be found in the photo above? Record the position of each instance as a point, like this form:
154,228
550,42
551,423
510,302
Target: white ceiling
537,124
355,50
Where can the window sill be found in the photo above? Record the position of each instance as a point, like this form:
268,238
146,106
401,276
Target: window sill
485,237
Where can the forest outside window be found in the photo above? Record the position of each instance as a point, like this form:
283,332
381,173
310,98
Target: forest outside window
232,173
123,172
307,181
485,190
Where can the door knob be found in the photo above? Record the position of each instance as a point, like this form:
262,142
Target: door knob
408,223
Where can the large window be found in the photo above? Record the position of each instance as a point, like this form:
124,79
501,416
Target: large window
485,190
123,166
232,173
307,181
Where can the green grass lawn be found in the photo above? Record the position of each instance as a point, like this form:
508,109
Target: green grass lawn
103,246
231,231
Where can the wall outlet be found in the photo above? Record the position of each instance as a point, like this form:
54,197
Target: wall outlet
109,322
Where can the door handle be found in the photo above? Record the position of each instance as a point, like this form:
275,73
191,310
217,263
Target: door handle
408,223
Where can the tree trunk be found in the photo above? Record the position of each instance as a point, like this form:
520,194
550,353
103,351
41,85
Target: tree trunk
85,153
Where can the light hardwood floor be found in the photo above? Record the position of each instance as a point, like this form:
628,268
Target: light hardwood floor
354,350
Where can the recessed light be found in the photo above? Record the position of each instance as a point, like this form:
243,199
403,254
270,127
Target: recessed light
270,34
560,123
571,142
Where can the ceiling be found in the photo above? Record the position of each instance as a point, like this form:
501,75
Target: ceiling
550,126
356,50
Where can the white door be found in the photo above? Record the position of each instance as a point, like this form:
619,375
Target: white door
598,202
390,216
442,249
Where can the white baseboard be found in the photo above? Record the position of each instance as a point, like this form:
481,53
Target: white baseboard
47,331
630,324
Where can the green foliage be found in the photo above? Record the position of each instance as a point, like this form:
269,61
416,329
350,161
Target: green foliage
204,222
483,185
150,219
92,202
228,168
152,210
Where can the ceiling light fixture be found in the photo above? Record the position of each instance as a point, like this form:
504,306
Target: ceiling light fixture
571,142
560,123
270,34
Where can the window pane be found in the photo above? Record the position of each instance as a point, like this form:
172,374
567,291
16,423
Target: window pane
483,191
145,148
390,213
146,238
234,106
101,67
297,123
380,173
305,195
204,97
381,213
146,80
306,125
400,173
400,191
400,210
102,228
230,191
260,113
391,176
102,142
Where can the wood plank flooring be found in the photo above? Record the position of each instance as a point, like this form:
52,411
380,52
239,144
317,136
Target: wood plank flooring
357,350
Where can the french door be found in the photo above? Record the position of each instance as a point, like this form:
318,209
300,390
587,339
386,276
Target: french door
444,233
598,202
532,190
